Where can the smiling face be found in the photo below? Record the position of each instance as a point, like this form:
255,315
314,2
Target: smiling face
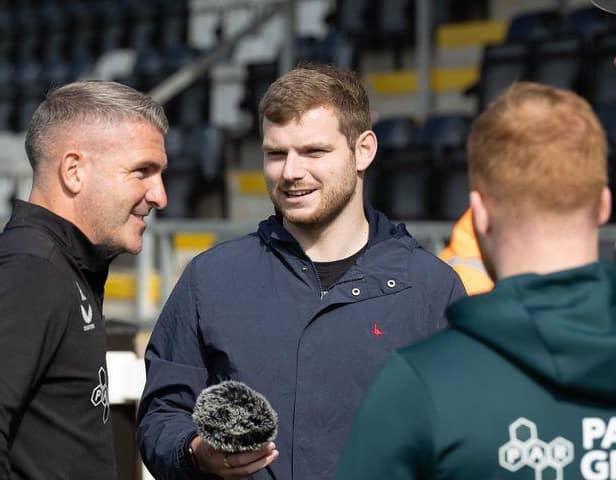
310,170
122,182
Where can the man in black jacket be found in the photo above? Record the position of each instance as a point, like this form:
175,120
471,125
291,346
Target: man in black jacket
97,152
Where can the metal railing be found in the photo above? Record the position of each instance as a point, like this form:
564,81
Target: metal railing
158,248
158,245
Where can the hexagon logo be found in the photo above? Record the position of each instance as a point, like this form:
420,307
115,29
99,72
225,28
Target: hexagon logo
100,394
549,473
537,454
525,449
522,430
561,452
511,456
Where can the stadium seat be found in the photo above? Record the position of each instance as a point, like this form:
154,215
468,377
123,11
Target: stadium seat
82,56
534,26
148,70
446,135
602,74
179,176
587,22
258,78
451,187
403,191
28,69
558,62
607,115
23,108
396,27
113,26
196,167
501,65
356,17
396,132
6,114
397,182
445,132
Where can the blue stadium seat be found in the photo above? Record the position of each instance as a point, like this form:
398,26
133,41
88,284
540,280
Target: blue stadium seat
356,17
587,22
559,62
446,135
602,73
259,76
533,26
396,132
398,181
607,115
404,185
444,132
196,167
501,65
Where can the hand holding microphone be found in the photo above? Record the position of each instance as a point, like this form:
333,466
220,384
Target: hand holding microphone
236,426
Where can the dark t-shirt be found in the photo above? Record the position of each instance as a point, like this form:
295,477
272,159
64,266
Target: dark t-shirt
330,272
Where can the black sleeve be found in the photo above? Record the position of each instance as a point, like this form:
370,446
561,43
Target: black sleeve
34,313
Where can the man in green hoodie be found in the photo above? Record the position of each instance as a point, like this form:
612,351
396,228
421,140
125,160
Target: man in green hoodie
523,384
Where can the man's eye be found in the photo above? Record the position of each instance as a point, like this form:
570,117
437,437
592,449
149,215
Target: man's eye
317,152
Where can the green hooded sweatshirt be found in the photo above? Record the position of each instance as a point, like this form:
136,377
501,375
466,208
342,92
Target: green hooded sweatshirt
521,387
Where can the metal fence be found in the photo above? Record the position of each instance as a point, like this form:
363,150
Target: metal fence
158,250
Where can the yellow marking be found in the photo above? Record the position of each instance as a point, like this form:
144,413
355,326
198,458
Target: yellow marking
471,34
193,241
123,286
405,81
249,182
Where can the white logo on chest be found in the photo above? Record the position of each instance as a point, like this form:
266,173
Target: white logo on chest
86,311
525,449
100,394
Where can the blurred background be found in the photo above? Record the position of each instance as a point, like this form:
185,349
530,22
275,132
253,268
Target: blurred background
430,66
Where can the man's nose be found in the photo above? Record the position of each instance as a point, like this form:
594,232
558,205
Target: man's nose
293,167
156,194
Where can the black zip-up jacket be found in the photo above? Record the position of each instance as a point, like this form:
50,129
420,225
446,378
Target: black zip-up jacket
54,410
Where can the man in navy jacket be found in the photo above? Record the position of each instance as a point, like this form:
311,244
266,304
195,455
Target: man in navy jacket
304,310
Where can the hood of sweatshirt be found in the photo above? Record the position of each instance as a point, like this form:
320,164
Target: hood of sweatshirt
561,326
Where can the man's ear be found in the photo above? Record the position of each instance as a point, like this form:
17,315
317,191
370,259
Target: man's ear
481,217
365,150
605,206
71,171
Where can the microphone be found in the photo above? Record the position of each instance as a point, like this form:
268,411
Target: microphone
233,417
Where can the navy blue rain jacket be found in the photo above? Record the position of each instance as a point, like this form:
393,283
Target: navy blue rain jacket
252,310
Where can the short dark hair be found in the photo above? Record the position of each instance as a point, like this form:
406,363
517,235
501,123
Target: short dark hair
311,86
87,102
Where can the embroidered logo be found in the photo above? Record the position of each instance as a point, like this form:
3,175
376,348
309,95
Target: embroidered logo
86,311
376,331
525,449
100,394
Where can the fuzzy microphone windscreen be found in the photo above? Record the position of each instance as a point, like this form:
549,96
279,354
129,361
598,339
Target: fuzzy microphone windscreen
232,417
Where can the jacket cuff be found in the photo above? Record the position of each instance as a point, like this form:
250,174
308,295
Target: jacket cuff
185,463
183,460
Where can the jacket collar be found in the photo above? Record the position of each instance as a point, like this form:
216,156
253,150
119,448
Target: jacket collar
72,240
381,228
